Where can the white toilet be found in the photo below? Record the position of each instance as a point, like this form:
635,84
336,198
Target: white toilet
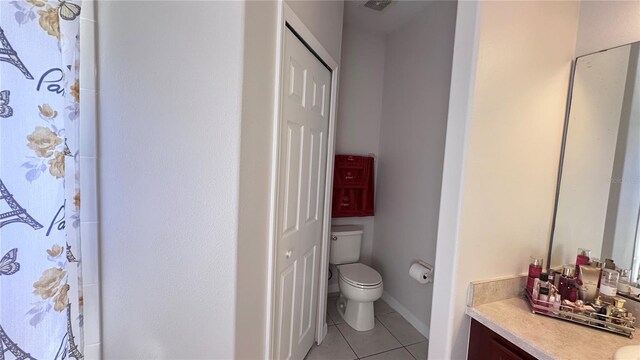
360,285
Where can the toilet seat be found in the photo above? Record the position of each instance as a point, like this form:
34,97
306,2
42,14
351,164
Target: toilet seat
360,275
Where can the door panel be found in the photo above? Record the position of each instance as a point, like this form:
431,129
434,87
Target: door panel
308,292
286,301
314,192
300,203
292,177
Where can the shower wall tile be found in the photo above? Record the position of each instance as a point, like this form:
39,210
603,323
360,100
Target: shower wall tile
90,269
91,314
88,122
89,216
87,55
88,189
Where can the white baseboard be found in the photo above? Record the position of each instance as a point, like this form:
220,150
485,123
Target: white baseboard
406,314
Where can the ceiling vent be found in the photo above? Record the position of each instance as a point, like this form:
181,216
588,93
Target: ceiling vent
377,5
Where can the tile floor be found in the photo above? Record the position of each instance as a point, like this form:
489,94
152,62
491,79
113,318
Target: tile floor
392,338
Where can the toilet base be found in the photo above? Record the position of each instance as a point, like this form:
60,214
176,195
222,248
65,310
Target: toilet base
358,315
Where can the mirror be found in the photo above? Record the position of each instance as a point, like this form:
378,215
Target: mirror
598,198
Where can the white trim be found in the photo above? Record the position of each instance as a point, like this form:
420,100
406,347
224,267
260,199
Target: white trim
446,286
406,314
88,165
275,135
286,15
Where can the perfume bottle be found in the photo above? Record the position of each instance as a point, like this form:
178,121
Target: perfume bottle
543,299
623,282
582,258
556,304
566,280
535,269
608,285
544,281
573,294
619,313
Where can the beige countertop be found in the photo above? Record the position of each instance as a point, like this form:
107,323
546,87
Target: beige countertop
545,337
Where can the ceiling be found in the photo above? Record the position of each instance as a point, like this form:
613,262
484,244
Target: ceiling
398,13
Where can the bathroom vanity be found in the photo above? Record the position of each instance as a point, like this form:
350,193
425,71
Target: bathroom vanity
485,343
597,213
503,325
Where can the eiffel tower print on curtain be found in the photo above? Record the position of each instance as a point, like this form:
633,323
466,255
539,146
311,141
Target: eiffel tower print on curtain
72,348
7,345
17,213
7,54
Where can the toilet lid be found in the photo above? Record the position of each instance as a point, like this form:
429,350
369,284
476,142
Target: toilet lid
359,274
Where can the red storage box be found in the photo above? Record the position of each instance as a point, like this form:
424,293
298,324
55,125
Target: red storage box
353,186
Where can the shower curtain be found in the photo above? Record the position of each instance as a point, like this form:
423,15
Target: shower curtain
40,274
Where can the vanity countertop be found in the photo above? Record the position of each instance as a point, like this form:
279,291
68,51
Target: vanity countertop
545,337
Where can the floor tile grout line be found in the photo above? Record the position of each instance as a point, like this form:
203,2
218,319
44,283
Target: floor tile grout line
382,352
383,325
386,351
419,342
425,339
347,341
410,353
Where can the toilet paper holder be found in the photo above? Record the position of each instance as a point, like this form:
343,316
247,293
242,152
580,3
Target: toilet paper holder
426,275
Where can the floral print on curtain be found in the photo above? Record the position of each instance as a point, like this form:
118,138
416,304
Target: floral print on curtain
40,274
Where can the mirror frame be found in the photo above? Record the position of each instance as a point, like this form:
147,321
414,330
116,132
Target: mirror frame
565,131
563,146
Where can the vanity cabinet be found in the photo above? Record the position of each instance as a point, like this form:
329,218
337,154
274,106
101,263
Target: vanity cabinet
484,344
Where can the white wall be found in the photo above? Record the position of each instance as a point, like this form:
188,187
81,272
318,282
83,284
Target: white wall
255,177
360,111
324,20
607,23
169,137
417,73
514,92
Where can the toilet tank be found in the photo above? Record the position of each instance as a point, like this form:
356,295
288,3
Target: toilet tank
345,244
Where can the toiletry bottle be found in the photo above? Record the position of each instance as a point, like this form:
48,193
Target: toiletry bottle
609,312
544,294
551,300
587,282
535,269
573,294
556,279
596,304
536,290
595,262
623,282
609,264
566,280
608,285
543,283
543,298
582,258
619,313
544,280
556,304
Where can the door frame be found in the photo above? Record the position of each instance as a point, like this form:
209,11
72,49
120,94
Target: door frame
287,16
